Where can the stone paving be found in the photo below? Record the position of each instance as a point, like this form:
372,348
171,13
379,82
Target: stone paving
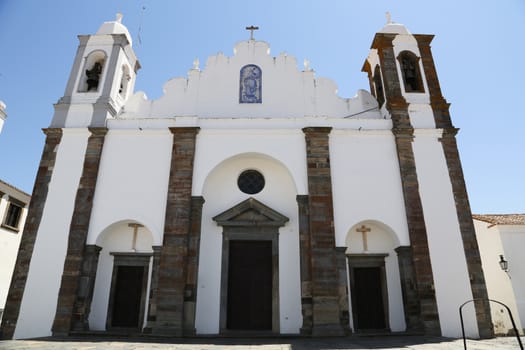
390,343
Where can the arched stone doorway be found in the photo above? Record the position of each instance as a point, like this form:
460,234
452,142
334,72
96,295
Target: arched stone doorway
374,279
124,270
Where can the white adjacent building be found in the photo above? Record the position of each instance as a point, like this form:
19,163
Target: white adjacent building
249,198
13,212
501,238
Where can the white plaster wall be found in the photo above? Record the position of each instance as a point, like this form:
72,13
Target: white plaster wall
39,301
220,192
133,181
116,238
366,182
499,284
287,92
447,255
513,239
381,240
286,146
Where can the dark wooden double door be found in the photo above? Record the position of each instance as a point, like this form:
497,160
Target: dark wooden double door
249,285
128,297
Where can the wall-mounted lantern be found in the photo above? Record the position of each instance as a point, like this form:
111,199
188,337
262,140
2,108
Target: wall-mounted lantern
504,264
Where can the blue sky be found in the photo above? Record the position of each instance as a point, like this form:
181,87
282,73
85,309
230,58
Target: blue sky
479,52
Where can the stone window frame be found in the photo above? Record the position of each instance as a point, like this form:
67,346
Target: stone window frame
129,259
12,204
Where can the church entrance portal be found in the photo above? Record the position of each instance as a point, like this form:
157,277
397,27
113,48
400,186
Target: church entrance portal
128,291
250,267
369,293
250,286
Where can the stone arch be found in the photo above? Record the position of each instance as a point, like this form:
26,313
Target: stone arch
92,74
373,267
220,192
381,238
249,158
125,246
410,71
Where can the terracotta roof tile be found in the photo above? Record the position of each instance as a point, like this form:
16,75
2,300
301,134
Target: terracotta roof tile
501,219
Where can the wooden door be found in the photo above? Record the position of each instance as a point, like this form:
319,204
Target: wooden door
368,294
250,285
127,297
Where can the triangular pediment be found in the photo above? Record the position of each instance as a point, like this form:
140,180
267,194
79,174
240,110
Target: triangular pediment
250,212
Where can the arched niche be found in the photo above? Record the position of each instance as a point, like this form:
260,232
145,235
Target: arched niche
91,76
409,64
124,272
378,83
124,81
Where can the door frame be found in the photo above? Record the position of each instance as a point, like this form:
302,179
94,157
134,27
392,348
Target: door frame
128,259
250,220
245,235
368,260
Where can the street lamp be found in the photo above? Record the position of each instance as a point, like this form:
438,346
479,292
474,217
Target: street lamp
504,264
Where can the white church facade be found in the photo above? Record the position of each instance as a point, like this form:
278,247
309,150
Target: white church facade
249,198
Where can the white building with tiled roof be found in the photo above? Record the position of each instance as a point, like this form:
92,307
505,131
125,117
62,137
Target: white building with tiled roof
501,237
13,211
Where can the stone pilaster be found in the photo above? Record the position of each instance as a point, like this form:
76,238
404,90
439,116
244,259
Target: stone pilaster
34,215
173,257
305,263
403,133
86,286
344,310
190,291
152,303
78,230
468,234
437,101
408,289
325,296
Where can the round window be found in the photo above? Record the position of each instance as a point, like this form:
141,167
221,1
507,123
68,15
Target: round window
251,182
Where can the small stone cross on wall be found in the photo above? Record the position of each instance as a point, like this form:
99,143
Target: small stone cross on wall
135,233
364,230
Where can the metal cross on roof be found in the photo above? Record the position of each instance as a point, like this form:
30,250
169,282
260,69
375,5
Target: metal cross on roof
251,29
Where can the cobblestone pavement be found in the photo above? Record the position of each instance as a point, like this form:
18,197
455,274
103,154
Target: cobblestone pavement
391,343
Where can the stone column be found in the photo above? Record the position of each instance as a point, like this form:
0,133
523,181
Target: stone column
86,286
152,303
36,207
190,291
78,230
344,310
325,296
173,256
408,289
305,263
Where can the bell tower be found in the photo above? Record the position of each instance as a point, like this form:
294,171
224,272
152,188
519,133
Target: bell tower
403,78
101,80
